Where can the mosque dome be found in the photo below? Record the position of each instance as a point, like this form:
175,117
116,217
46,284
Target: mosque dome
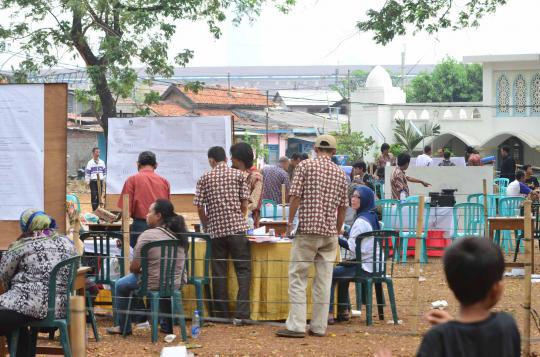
378,77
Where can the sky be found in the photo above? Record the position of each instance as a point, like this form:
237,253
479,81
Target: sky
323,32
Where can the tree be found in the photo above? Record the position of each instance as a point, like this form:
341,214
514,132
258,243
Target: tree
346,86
353,144
450,81
110,35
396,17
409,138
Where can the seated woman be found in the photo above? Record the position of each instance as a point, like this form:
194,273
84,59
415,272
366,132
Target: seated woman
24,275
363,201
163,224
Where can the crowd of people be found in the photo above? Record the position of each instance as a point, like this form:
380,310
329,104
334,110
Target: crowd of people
228,201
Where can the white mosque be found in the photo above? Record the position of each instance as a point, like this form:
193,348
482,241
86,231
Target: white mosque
508,115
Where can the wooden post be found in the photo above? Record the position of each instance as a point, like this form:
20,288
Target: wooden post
99,190
77,336
529,251
486,225
283,198
417,255
125,231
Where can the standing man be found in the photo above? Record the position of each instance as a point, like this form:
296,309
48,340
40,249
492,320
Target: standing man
384,159
222,198
143,188
95,169
273,178
319,189
425,159
295,160
508,165
398,181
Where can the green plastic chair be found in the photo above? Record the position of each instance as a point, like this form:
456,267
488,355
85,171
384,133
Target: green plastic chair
381,254
471,215
408,229
167,268
503,185
194,277
379,188
264,205
535,210
101,260
412,199
491,202
69,267
508,207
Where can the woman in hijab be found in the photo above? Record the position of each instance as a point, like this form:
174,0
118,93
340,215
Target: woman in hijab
363,201
24,274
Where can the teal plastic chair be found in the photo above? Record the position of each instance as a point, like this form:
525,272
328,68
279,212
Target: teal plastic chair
412,199
380,257
194,277
471,217
475,198
407,227
73,198
535,210
503,185
68,268
264,207
508,207
491,202
167,269
389,212
101,261
379,188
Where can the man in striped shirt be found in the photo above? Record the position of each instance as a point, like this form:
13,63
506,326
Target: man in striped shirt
95,171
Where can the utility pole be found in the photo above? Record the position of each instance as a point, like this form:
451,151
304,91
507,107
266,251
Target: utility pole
229,82
348,101
403,68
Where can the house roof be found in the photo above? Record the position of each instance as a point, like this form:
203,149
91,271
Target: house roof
307,98
295,121
220,96
527,57
168,109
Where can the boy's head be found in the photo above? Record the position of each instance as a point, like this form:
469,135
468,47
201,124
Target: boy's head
474,269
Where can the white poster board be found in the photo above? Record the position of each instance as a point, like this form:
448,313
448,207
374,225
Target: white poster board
457,160
180,143
22,148
467,180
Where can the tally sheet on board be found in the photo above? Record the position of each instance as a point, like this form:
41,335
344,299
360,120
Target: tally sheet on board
180,144
22,149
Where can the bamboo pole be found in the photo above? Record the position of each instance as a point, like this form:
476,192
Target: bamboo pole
77,335
529,252
125,232
486,225
417,255
283,198
99,190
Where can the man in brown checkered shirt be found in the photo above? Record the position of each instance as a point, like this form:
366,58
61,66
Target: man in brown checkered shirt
319,190
222,199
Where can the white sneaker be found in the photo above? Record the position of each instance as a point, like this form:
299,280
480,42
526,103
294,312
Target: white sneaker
142,326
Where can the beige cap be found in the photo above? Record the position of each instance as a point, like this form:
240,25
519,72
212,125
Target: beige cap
326,142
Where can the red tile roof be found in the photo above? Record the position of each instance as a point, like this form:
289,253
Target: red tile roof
221,96
168,109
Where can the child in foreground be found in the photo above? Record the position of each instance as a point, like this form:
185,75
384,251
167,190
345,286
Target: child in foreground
474,269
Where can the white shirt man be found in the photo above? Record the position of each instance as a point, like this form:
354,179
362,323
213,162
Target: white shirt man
424,159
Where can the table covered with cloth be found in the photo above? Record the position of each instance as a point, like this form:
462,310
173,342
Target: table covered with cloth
269,281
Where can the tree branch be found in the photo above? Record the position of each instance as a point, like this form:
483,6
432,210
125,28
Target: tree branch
100,22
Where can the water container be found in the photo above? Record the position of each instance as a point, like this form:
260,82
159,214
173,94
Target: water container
195,325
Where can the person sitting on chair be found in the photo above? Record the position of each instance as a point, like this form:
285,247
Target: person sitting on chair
164,225
24,275
363,200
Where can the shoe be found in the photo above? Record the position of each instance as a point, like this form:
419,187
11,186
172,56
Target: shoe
142,326
291,334
165,331
331,321
316,334
341,317
115,330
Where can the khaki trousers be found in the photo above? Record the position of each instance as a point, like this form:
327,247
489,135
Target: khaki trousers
306,250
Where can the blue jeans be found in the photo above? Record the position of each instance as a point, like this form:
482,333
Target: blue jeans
124,286
137,227
342,276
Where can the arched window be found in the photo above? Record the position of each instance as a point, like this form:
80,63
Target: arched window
520,96
503,96
535,94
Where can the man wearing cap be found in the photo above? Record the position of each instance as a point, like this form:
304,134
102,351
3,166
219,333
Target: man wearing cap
319,193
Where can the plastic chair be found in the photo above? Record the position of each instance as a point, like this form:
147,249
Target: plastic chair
265,203
508,207
196,279
381,254
472,217
412,199
101,260
69,269
408,229
388,210
535,210
379,188
73,198
167,268
491,202
475,198
503,185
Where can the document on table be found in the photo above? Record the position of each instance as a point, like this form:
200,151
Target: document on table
180,143
22,149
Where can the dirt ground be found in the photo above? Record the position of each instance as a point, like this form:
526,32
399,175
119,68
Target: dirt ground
351,338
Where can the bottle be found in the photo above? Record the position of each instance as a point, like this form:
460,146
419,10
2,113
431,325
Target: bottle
250,224
195,325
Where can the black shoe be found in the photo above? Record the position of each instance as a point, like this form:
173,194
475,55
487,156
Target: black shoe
315,334
291,334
